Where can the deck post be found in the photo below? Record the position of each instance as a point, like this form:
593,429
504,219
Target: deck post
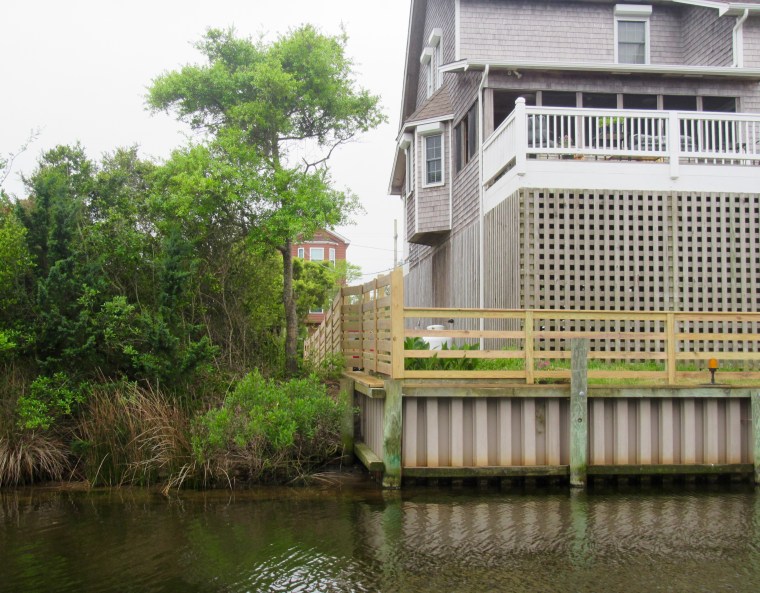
756,434
579,412
347,387
392,431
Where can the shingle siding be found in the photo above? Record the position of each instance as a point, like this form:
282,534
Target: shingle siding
707,38
433,209
666,46
536,30
440,14
752,43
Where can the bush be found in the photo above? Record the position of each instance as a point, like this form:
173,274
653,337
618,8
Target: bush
439,364
26,455
269,431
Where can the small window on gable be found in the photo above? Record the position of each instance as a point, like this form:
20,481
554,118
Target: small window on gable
301,253
632,33
317,253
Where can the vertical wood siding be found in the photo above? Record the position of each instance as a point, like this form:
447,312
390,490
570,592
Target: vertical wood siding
669,431
483,432
371,418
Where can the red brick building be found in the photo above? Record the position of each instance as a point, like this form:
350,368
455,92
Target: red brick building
323,246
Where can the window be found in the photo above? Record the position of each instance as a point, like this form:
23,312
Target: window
434,159
466,137
317,253
722,104
504,104
559,99
316,311
332,255
632,33
432,56
600,100
679,102
409,170
301,252
639,101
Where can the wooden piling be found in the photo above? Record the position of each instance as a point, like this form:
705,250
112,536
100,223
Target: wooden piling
347,387
579,412
756,434
392,432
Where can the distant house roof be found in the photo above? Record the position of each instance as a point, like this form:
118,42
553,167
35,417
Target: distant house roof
334,234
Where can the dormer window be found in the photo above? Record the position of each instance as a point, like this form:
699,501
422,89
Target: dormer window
432,57
632,33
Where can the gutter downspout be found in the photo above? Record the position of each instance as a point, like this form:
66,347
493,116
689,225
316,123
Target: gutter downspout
481,195
738,40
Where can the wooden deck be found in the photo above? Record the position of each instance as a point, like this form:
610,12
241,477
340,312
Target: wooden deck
567,394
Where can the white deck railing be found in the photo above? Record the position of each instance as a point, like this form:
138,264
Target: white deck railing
615,134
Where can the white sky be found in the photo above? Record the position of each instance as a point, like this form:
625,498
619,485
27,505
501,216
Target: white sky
78,70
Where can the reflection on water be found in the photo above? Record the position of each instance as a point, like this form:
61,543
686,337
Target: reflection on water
359,539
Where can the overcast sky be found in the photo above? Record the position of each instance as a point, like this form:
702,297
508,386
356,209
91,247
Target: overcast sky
78,71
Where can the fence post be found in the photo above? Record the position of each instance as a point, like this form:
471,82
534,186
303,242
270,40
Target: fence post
756,434
393,429
521,136
397,323
674,144
670,344
528,346
579,412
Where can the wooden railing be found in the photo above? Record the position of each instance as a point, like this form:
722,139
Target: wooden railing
667,136
532,346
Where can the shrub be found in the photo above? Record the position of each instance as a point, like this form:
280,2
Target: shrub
269,431
439,364
48,399
26,455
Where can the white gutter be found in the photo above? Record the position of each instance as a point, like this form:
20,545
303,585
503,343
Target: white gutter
606,68
481,195
738,40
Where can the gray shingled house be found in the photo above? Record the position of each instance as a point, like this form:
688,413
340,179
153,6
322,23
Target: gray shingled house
577,154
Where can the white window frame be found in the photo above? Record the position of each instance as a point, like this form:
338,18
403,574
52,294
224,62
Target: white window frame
426,131
332,255
313,250
407,144
638,13
301,252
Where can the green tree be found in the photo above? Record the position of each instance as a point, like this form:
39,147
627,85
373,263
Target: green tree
280,101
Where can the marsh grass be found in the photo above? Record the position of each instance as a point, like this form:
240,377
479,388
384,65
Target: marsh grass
134,434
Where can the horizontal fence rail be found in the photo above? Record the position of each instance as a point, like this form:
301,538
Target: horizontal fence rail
665,136
372,331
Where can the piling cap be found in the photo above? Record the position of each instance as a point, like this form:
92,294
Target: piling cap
712,364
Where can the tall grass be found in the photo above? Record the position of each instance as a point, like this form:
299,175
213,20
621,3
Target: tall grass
133,434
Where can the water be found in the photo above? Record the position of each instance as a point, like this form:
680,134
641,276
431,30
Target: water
355,538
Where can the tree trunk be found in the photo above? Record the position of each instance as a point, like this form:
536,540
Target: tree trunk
291,316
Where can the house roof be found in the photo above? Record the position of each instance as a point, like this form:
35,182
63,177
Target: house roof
335,235
415,41
438,106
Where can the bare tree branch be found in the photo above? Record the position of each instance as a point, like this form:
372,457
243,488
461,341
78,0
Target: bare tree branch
6,164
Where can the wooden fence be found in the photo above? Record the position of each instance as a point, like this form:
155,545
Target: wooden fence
369,325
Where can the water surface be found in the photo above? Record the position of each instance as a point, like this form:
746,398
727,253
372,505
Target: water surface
356,538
